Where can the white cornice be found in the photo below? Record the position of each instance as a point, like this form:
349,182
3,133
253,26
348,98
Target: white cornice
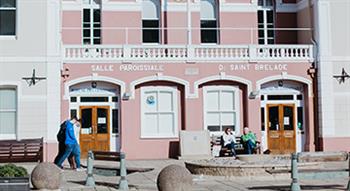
180,7
238,7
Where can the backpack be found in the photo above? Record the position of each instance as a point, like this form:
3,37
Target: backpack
61,135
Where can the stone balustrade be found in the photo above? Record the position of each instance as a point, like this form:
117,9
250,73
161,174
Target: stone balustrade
187,53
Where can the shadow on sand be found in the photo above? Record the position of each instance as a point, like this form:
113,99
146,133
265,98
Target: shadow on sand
303,187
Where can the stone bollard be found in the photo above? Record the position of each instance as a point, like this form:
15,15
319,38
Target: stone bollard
174,178
90,181
123,183
46,176
295,184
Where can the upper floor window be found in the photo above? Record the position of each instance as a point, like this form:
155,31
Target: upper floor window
91,22
8,111
150,21
209,24
266,22
7,17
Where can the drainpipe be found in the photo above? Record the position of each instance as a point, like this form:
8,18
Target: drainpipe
318,143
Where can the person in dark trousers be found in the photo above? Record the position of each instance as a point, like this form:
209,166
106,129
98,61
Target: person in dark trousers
71,147
61,138
249,141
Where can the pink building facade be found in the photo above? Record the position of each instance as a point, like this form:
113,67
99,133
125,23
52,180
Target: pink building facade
139,72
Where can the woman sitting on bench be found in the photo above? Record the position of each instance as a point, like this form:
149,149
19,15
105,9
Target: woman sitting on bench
229,140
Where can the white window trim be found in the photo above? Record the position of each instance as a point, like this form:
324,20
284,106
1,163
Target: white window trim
11,37
216,19
91,7
235,89
16,87
264,9
175,106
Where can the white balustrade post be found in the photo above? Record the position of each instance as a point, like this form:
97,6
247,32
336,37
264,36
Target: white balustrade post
311,53
126,53
190,53
252,53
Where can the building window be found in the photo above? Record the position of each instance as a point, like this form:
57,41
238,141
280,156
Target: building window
159,112
7,17
208,14
91,22
150,21
8,111
115,121
221,106
266,22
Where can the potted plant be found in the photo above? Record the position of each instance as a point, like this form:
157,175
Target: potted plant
13,177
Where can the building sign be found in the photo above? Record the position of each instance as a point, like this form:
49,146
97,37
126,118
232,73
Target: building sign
256,67
140,67
102,68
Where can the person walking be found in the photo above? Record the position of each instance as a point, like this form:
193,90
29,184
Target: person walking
71,158
61,138
71,143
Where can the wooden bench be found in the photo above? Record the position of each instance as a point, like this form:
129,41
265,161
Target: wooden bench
239,147
107,156
314,157
25,150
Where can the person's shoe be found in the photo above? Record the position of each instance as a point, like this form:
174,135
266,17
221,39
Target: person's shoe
79,169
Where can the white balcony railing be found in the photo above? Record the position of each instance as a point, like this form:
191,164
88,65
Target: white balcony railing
192,53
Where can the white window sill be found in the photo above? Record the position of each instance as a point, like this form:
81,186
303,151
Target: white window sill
8,37
209,44
7,136
150,43
159,137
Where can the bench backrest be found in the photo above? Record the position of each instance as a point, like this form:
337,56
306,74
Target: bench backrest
322,156
25,150
106,155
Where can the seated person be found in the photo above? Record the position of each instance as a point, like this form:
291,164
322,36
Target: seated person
229,140
249,140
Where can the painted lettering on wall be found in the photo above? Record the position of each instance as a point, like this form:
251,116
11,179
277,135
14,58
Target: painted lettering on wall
140,67
256,67
102,68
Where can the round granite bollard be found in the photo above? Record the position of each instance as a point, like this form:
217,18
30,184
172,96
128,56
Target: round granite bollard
46,176
174,178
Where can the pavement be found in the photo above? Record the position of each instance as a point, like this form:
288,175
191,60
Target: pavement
145,177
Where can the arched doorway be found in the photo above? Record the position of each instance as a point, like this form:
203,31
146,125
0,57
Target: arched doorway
283,116
97,103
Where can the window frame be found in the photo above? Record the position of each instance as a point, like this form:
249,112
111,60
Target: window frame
174,91
14,36
158,6
216,19
237,109
266,8
16,110
91,7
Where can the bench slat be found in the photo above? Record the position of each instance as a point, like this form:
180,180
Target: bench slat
25,150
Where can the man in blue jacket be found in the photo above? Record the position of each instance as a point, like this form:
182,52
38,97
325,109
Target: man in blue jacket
72,146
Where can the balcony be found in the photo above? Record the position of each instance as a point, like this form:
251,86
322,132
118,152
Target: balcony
246,50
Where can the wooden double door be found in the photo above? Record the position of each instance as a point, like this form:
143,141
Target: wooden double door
95,131
281,128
